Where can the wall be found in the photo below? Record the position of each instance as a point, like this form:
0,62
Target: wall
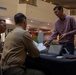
11,6
42,12
22,8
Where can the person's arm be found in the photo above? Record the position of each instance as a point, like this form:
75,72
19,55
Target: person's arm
73,25
53,36
30,46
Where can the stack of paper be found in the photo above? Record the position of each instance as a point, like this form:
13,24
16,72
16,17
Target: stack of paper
40,46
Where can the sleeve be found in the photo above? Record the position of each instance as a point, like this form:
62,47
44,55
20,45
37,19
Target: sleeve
73,26
53,35
30,46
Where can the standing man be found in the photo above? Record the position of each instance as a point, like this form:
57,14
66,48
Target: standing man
65,27
17,45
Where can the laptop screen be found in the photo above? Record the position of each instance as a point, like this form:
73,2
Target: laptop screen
55,49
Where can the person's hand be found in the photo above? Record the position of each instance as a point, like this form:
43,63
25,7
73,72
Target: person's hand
46,44
62,36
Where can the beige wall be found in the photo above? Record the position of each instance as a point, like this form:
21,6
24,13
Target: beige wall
22,8
42,12
11,6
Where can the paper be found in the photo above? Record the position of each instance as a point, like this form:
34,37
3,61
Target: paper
40,46
59,57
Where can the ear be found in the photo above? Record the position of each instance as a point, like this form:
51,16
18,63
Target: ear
24,21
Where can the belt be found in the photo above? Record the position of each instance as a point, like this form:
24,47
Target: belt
65,43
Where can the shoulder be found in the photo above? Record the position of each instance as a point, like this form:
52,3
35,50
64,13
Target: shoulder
27,35
69,17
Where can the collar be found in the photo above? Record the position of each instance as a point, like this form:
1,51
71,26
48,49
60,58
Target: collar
62,19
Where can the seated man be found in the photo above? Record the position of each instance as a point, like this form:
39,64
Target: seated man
16,46
2,30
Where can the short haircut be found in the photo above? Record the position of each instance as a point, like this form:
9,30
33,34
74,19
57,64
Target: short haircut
2,20
59,7
19,17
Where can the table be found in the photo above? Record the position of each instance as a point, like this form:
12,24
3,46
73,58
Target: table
51,65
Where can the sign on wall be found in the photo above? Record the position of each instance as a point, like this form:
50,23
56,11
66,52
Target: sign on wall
3,8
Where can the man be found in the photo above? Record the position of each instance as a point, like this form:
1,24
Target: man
65,27
17,45
2,30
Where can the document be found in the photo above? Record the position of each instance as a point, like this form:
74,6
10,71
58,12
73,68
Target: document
40,46
59,57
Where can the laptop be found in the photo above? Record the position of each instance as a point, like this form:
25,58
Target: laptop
55,49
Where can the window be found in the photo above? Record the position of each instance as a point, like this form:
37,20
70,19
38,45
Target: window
31,2
72,11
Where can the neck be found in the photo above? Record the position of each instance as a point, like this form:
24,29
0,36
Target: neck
62,17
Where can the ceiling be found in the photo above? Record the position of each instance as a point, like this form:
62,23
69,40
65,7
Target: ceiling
69,4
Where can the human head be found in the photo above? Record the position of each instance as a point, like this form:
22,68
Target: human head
21,20
58,10
2,25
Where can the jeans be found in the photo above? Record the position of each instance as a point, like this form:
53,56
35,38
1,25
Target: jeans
67,49
21,71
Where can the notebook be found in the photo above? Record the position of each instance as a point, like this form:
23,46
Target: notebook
55,49
40,47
